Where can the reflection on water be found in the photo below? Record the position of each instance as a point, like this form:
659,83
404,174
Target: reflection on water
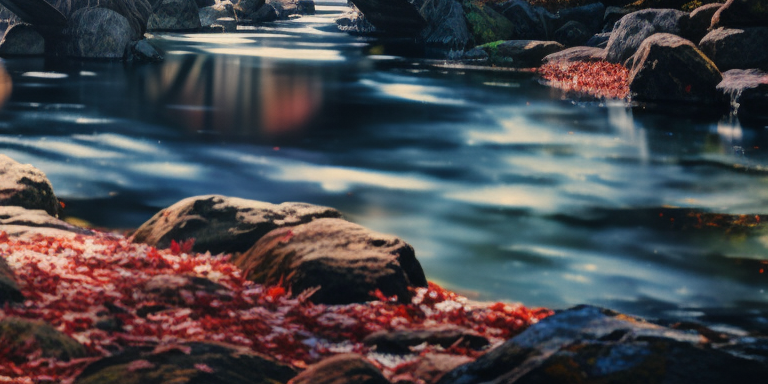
506,191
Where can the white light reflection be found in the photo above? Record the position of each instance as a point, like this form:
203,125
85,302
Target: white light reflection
46,75
280,53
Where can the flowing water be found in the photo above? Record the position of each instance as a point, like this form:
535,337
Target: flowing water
506,191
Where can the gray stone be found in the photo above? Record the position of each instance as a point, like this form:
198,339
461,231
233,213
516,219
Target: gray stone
572,34
398,17
22,39
98,33
224,224
136,11
26,186
520,53
599,40
446,25
354,22
208,15
344,261
143,51
9,290
528,22
341,369
613,15
576,54
36,12
245,8
699,21
737,48
747,90
175,15
635,27
590,15
741,13
18,333
266,13
24,223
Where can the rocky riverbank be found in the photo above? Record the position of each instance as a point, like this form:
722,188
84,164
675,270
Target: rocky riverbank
217,289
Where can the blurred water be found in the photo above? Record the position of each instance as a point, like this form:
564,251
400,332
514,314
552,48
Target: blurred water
506,191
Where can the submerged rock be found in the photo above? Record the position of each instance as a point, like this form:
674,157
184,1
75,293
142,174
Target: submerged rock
341,369
670,68
9,290
98,33
517,53
23,334
635,27
26,186
748,92
175,15
22,39
346,261
224,224
737,48
26,223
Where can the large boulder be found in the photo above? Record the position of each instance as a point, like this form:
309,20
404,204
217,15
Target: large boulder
209,15
699,21
354,22
9,290
341,369
192,362
635,27
446,25
98,33
517,53
346,261
748,92
26,186
23,334
741,13
175,15
737,48
591,345
591,15
670,68
486,24
22,39
528,22
136,11
25,223
396,17
223,224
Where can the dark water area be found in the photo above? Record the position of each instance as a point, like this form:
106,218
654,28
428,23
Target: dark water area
506,190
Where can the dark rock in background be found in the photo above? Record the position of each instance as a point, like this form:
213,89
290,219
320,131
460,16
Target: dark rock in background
527,22
737,48
576,54
26,186
590,15
572,34
209,15
98,33
18,333
175,15
22,39
400,342
9,290
635,27
446,25
599,40
699,21
396,17
486,24
741,13
245,8
341,369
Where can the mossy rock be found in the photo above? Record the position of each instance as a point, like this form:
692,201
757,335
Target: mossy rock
24,335
520,53
485,24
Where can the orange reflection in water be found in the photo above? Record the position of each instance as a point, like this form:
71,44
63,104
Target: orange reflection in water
6,85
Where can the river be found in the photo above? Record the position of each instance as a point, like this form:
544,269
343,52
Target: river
507,190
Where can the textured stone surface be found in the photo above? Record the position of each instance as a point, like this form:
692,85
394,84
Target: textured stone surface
208,15
576,54
354,22
136,11
341,369
528,22
36,12
599,40
22,39
245,8
266,13
572,34
398,17
98,33
18,333
446,25
26,186
400,342
699,21
485,24
346,260
748,92
174,15
737,48
670,68
741,13
9,290
519,53
142,51
26,223
591,15
224,224
635,27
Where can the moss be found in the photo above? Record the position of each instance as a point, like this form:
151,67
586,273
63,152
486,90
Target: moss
486,24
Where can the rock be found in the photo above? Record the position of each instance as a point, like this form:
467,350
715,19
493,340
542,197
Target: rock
635,27
592,345
136,11
22,39
27,223
354,22
588,54
572,34
599,40
98,33
399,342
699,21
613,15
741,13
520,53
670,68
205,3
142,51
345,260
228,24
174,15
36,12
527,22
26,186
9,290
192,362
590,15
265,14
737,48
287,8
222,224
397,17
245,8
341,369
430,367
485,24
747,90
208,15
446,25
23,334
179,289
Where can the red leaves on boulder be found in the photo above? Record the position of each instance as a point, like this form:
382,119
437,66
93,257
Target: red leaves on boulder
599,79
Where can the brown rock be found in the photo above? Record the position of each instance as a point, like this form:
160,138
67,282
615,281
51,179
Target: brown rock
400,341
26,186
25,223
341,369
741,13
221,224
345,260
9,291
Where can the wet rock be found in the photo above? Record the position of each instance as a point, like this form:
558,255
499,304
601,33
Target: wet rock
699,21
265,14
400,342
287,8
98,33
747,90
345,260
737,48
599,40
209,15
245,8
574,54
446,25
27,335
485,24
193,363
142,51
26,186
670,68
572,34
527,22
519,53
27,223
741,13
590,15
180,289
592,345
9,290
221,224
430,367
175,15
635,27
22,39
354,22
341,369
398,17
